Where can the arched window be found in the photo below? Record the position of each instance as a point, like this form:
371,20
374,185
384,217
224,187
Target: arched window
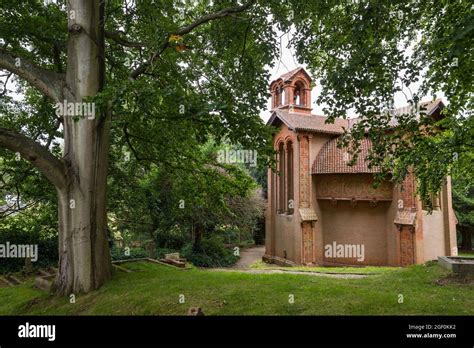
281,179
299,94
279,96
290,185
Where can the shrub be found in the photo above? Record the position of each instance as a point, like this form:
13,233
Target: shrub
172,238
160,252
211,253
47,250
33,227
230,234
120,253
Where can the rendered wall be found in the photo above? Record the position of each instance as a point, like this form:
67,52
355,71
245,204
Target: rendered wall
433,235
362,224
316,144
288,237
282,231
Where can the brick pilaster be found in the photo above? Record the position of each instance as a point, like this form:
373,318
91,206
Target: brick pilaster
285,200
407,247
407,192
305,187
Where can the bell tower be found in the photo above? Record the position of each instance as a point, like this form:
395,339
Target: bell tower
291,92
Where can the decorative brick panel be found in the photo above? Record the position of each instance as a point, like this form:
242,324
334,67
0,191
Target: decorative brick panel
360,186
407,192
407,248
307,242
304,172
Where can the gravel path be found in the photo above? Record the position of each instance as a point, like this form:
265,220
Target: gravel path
249,256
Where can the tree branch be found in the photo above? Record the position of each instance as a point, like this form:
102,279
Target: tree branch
10,210
187,29
119,38
47,82
51,167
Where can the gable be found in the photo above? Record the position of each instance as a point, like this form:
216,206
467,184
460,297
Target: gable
310,123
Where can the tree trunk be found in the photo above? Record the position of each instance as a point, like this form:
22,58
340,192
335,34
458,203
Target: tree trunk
466,243
198,232
84,256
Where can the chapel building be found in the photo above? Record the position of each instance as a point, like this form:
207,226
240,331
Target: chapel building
318,203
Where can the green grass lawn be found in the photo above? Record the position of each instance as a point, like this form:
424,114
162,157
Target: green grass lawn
334,270
154,289
466,254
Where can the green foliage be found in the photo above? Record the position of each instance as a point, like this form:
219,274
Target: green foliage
210,253
161,252
228,233
463,205
214,89
131,253
32,228
173,238
166,202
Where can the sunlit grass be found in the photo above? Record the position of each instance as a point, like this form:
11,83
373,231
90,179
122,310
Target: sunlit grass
466,254
346,270
154,289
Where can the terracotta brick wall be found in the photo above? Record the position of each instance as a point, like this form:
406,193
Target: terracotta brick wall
407,254
307,242
304,171
407,233
407,192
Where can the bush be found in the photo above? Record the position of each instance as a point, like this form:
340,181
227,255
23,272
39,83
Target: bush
135,253
211,253
230,234
172,238
34,227
47,250
161,252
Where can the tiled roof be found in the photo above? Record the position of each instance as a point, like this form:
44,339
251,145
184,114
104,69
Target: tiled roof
429,107
332,159
290,74
303,122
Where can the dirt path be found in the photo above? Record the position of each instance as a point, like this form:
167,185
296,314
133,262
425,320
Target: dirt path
249,256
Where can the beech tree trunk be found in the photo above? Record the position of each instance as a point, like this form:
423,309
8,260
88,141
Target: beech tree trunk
466,243
84,256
